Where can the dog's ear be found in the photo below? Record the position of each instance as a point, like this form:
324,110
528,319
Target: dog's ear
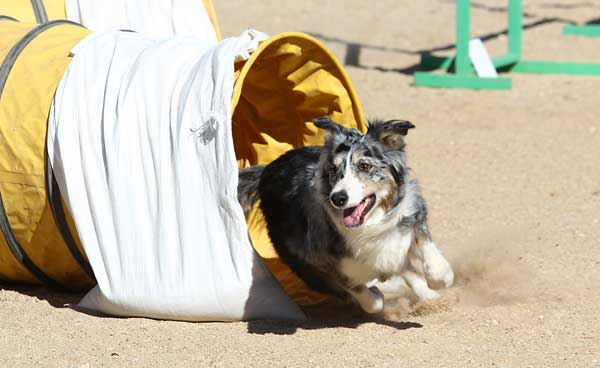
391,133
336,133
329,125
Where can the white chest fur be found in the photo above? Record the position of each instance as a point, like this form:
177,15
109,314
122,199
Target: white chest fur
374,256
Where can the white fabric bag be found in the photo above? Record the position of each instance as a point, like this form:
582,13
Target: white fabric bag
152,18
139,137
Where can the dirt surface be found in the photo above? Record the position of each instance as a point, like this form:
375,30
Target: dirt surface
512,179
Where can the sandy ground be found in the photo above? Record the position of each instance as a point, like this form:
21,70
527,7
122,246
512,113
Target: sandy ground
513,183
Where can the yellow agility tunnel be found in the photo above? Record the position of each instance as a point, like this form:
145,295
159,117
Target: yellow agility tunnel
42,11
287,82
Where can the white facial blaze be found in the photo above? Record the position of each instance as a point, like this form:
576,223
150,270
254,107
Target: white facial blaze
351,184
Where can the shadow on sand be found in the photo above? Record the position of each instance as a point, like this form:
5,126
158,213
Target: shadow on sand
353,50
54,298
289,328
330,314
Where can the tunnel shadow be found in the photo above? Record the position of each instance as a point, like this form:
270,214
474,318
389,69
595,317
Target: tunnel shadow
54,298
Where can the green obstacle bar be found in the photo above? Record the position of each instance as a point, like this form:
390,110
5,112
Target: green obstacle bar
464,75
460,73
585,30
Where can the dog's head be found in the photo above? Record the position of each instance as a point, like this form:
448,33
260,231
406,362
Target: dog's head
363,173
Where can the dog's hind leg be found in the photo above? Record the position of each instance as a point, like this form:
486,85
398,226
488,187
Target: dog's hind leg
370,299
436,267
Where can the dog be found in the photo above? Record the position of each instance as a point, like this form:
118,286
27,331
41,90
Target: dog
346,213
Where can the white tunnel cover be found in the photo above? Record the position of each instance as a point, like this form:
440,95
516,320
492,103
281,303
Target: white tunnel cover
139,137
153,18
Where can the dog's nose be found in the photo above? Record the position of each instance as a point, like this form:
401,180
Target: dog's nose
339,199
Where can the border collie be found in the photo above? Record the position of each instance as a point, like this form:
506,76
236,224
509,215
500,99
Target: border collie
347,213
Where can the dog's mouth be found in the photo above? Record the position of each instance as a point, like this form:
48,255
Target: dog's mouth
355,216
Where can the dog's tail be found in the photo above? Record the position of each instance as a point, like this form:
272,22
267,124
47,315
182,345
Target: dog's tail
248,186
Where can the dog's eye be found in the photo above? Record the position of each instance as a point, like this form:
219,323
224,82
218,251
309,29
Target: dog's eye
364,166
332,170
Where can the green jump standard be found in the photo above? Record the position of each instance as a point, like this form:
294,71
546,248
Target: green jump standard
460,72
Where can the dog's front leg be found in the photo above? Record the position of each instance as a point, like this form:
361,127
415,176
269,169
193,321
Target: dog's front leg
436,267
418,284
370,299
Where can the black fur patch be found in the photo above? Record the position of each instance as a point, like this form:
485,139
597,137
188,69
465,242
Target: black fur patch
248,186
300,230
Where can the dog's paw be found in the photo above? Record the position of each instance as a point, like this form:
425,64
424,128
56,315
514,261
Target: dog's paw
377,301
425,294
440,277
369,299
438,271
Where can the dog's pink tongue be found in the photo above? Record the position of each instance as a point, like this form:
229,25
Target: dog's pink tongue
352,215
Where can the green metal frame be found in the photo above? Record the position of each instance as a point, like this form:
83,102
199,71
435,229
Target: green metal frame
585,30
463,75
460,73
